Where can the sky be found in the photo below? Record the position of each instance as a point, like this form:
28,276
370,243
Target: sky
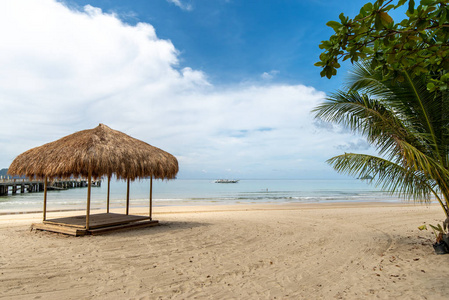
226,86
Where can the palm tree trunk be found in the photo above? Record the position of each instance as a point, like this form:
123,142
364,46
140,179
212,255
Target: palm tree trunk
443,185
445,195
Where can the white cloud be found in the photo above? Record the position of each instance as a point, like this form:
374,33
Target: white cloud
64,71
181,5
269,75
356,145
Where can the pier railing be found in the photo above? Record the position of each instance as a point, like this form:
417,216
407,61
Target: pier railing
23,185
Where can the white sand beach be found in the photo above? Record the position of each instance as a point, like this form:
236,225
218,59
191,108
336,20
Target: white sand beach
294,251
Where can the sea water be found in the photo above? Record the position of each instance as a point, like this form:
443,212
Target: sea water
200,192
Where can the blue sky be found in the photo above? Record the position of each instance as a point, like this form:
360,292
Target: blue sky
235,41
225,86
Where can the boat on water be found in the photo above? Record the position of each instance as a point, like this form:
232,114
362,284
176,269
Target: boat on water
226,181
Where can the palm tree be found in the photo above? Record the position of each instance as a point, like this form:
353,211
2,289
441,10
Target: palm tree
406,123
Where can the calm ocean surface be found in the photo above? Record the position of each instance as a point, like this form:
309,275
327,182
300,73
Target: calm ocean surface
200,192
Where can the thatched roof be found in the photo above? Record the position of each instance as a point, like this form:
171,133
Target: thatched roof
101,150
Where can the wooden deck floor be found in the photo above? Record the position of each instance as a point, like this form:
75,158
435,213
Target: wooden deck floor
96,220
98,223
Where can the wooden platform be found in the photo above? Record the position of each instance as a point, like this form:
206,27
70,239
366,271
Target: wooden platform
98,223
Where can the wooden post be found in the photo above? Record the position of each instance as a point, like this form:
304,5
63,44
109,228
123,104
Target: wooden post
127,198
151,197
45,198
109,189
89,186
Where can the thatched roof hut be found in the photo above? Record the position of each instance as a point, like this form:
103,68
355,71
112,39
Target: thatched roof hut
101,151
94,153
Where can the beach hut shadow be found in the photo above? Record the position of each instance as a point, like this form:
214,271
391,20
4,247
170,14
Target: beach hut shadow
164,227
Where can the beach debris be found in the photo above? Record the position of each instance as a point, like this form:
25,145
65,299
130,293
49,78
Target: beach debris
441,245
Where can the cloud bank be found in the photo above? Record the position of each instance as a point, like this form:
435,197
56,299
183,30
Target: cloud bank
65,70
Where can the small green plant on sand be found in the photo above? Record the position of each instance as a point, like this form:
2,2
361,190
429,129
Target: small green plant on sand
439,231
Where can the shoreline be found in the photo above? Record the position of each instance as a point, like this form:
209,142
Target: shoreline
289,251
202,192
218,204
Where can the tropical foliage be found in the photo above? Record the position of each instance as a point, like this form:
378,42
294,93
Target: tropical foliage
406,122
418,44
397,95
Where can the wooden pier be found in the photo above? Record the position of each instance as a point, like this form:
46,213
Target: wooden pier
15,186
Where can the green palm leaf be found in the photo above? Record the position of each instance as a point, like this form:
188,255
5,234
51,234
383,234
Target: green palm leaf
391,177
406,123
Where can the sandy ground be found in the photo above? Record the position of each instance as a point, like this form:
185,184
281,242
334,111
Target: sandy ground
339,251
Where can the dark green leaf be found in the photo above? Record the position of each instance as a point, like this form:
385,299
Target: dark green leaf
443,17
411,6
334,24
378,22
368,7
328,72
323,73
427,2
385,18
400,3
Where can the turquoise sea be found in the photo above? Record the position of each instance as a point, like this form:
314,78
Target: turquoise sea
201,192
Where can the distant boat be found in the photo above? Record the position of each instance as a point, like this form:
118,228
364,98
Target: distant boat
226,181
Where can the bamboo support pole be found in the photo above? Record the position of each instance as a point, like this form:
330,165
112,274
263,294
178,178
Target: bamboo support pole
45,198
89,186
109,190
151,197
127,198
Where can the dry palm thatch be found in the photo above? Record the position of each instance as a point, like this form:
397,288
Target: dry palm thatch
98,151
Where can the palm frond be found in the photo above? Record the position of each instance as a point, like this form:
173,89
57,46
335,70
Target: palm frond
391,177
416,160
364,79
365,116
425,110
405,122
416,107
